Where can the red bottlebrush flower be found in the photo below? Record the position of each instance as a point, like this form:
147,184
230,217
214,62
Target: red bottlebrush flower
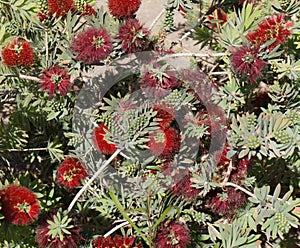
158,83
227,202
19,205
60,8
46,239
218,15
245,62
164,143
116,241
165,113
92,45
133,36
184,187
54,79
273,27
172,234
240,171
99,140
18,53
70,173
123,8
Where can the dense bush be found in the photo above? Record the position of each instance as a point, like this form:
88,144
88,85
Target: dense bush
112,137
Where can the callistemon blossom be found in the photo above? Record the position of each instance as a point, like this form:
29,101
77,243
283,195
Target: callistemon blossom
92,45
245,62
123,8
116,241
134,37
56,79
47,234
99,140
274,27
226,202
158,82
240,170
164,143
183,186
18,53
19,205
60,8
165,113
172,234
70,173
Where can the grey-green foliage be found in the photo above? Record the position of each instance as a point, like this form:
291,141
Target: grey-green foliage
274,215
271,135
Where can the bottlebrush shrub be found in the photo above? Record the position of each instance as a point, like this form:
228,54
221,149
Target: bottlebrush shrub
161,149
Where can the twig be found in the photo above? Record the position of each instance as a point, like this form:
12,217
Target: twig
228,173
88,183
194,55
115,229
240,188
27,149
22,76
36,79
156,19
46,45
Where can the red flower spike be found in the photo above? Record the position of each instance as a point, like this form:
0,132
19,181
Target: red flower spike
55,79
226,203
116,241
273,27
165,113
123,8
18,53
46,240
164,143
134,37
99,140
60,8
70,173
240,172
184,188
19,205
92,45
159,84
172,234
245,62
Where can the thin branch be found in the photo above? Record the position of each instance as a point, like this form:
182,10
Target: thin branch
194,55
22,76
36,79
116,228
228,173
240,188
27,149
88,183
46,45
156,19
